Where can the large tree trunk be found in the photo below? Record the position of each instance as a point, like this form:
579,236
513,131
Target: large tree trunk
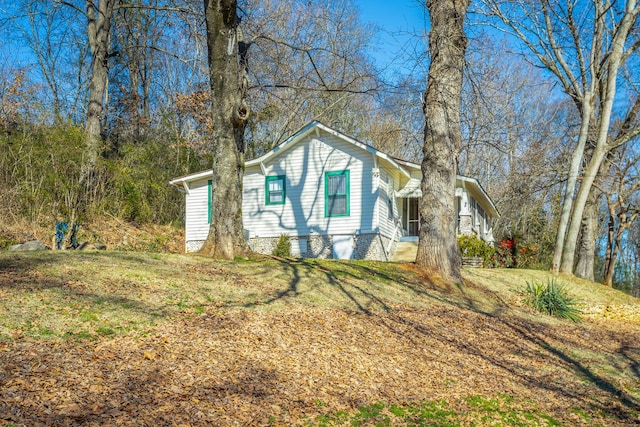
229,113
587,248
98,33
438,247
99,14
590,173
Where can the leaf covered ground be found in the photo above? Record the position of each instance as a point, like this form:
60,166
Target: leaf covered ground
123,338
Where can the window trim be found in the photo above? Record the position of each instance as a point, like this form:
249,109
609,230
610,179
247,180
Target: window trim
267,193
483,219
347,193
474,211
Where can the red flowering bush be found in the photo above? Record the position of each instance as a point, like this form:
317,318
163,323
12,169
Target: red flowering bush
511,254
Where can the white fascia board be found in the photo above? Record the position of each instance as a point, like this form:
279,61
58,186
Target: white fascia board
365,147
190,178
289,142
397,165
315,125
408,163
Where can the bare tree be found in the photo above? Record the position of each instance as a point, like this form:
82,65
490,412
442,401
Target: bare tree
137,33
307,62
438,248
513,128
584,47
56,44
619,185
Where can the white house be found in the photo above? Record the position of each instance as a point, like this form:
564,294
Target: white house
334,196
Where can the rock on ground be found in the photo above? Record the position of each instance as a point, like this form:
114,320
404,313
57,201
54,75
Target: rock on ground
33,245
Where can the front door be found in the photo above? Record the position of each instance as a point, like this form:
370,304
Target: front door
411,217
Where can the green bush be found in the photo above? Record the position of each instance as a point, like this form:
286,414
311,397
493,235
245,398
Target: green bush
5,242
552,299
473,246
283,247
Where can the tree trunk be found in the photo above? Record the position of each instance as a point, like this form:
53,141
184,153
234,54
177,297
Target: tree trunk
587,248
576,160
229,116
608,273
438,247
98,32
611,261
623,224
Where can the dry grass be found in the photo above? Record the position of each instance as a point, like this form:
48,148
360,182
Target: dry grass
113,232
112,337
597,301
65,294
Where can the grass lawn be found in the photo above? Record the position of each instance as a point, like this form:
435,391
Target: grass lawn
130,338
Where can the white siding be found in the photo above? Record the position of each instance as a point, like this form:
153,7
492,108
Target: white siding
304,166
387,221
197,211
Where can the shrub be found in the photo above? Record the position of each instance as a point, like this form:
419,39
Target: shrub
506,254
283,247
513,252
552,299
5,242
473,246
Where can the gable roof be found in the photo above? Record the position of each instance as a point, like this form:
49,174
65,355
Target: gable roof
316,126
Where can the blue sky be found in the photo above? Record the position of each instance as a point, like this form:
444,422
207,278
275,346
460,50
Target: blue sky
401,23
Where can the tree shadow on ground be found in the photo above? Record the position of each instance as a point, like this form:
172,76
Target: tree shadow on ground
538,339
494,317
346,277
28,274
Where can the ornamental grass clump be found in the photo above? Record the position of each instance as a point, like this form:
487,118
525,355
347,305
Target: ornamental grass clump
553,299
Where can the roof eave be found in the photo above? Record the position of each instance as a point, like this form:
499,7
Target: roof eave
304,131
189,178
494,210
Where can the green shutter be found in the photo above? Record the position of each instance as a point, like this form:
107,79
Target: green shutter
209,187
335,193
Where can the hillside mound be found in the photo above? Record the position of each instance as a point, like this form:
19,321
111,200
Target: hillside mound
115,233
